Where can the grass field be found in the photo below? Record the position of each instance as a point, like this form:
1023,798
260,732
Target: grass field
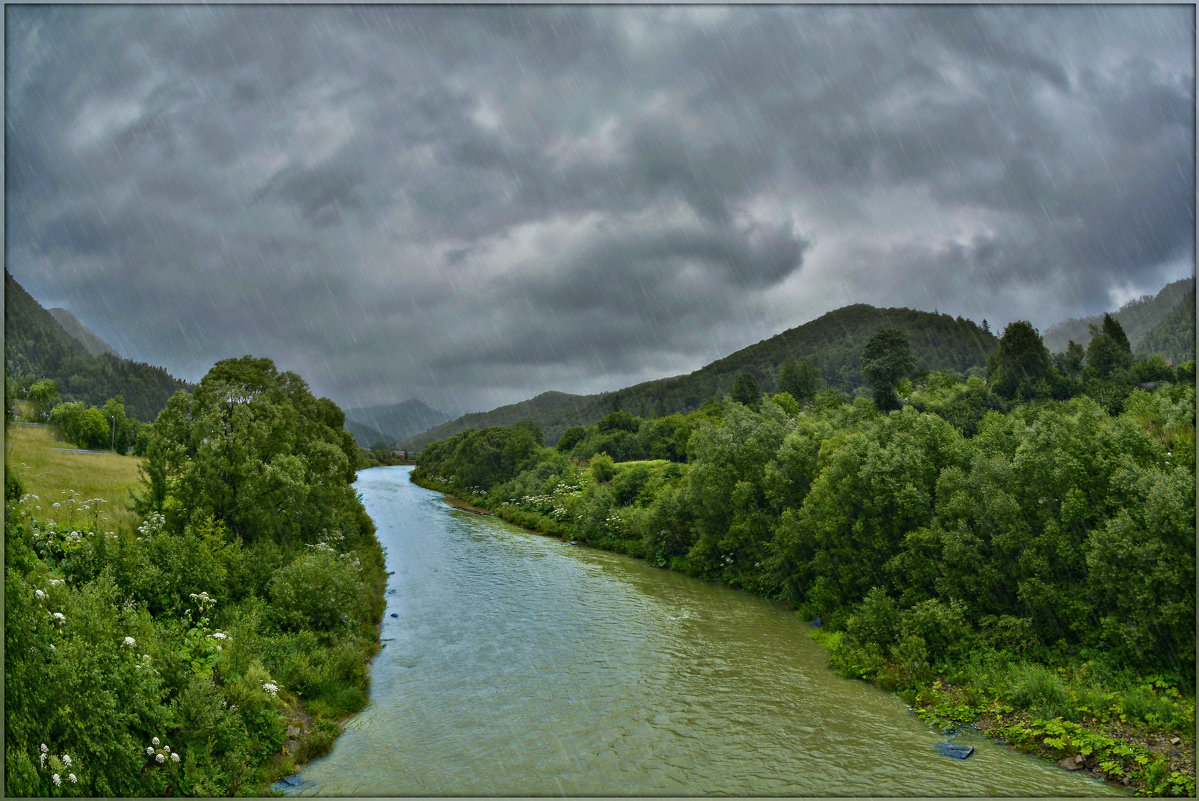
66,482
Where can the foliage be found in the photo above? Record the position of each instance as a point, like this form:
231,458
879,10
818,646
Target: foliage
886,360
1020,364
171,659
36,347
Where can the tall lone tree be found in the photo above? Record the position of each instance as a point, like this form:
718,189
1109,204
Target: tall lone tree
886,360
1109,349
1019,363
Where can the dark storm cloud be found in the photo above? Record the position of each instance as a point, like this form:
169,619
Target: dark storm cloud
474,204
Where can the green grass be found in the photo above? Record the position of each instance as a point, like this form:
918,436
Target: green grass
71,479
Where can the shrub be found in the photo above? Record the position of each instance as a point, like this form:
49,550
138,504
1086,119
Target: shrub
319,591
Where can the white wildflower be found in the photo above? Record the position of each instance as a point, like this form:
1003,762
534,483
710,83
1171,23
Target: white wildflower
219,635
42,760
156,741
150,750
130,642
39,594
57,781
55,582
58,616
269,687
43,748
174,757
66,760
160,758
166,748
71,777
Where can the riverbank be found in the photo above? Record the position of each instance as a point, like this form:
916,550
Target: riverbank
1098,735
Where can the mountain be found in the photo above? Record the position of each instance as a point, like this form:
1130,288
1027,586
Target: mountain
1137,318
36,346
1174,336
92,343
365,436
833,342
397,420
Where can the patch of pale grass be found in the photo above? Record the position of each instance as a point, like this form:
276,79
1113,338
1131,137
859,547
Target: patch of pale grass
72,480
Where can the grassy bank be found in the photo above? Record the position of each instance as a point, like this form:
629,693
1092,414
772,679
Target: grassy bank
67,482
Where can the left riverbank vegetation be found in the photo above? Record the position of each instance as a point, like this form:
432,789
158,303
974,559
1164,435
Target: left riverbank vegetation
216,644
1015,552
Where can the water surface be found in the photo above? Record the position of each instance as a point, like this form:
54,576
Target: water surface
520,665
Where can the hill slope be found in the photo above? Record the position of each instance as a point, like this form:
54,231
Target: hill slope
1137,318
36,345
397,420
92,343
1174,336
833,342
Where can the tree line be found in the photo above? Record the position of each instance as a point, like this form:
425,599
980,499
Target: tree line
1037,518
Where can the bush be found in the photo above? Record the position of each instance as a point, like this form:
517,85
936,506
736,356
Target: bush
318,591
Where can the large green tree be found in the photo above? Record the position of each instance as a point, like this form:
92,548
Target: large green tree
800,378
886,360
1020,362
253,449
1109,350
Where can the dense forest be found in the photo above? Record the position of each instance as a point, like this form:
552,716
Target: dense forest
37,347
1163,323
218,644
1018,549
832,343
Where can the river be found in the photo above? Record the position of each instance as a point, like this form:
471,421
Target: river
515,664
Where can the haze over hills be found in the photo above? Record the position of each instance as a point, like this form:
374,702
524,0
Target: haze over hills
394,421
1138,318
832,342
92,343
37,346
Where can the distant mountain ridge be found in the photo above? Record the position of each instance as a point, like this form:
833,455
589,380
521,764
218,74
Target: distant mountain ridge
36,345
91,343
1138,318
833,342
394,421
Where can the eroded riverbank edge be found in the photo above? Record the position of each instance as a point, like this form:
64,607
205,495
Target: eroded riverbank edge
938,702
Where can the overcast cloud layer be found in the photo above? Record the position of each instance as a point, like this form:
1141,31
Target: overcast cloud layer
472,205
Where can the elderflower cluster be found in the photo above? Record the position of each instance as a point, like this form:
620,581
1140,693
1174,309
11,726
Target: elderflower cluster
158,752
271,688
57,765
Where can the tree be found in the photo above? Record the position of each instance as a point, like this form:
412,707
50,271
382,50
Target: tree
1109,350
800,379
886,360
43,395
1019,363
746,390
255,451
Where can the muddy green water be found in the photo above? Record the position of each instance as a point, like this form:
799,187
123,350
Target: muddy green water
520,665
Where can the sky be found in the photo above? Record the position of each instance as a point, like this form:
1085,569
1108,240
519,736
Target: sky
473,205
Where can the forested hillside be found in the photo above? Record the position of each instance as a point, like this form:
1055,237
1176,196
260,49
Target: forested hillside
1138,317
832,343
36,346
1174,336
92,343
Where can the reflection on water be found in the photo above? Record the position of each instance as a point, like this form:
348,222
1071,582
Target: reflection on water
519,665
